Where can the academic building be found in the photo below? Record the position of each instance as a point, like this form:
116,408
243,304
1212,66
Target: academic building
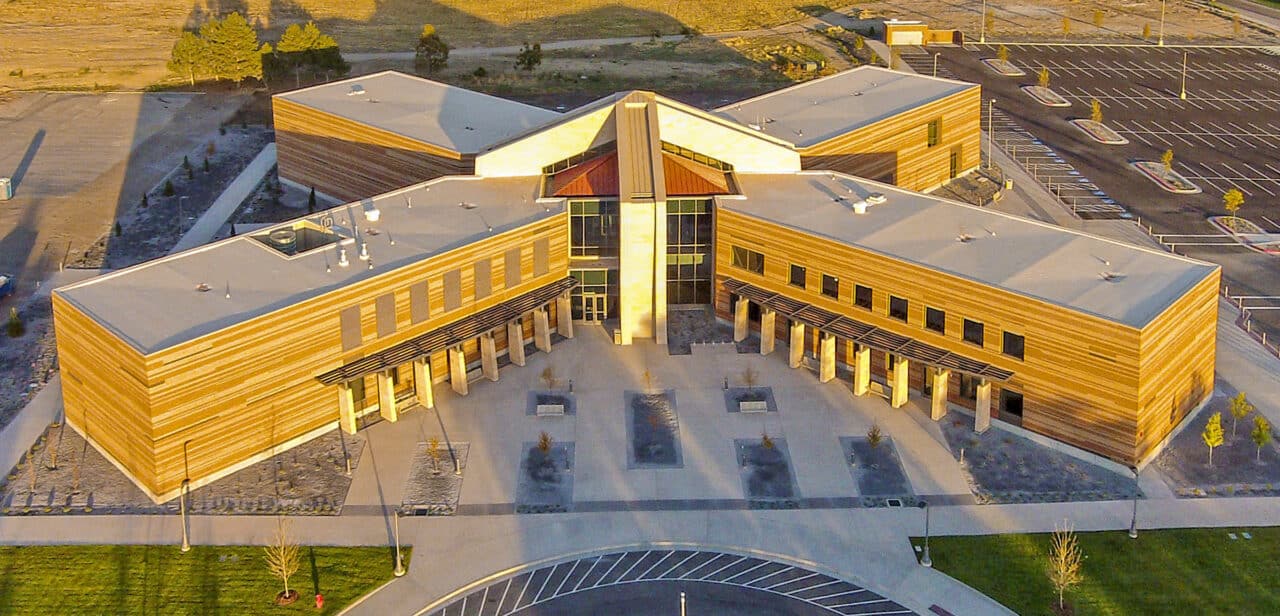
474,226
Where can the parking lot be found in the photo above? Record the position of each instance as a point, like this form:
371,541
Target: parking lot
1223,135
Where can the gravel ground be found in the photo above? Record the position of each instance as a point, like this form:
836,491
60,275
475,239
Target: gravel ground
433,488
544,483
698,325
876,470
1004,468
29,361
1237,469
654,430
768,480
309,479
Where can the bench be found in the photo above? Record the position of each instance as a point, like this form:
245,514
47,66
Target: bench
753,406
550,410
878,389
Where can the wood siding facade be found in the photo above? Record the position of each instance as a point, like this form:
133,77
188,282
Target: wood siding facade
238,393
348,160
1096,384
896,150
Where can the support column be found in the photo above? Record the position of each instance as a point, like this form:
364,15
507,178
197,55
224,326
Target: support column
861,371
564,316
827,358
489,356
515,342
982,407
901,372
941,385
458,371
387,397
740,311
422,383
346,409
768,329
797,344
541,330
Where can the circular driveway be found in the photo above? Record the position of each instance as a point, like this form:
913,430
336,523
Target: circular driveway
643,582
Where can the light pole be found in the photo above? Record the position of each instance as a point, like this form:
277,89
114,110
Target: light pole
399,570
935,63
1133,523
182,508
682,603
982,27
925,560
991,109
1160,40
1183,94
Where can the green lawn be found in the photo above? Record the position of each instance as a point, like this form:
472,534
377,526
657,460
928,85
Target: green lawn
1196,571
107,579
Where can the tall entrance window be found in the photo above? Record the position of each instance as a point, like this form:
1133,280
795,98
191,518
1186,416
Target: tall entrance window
593,228
596,296
689,263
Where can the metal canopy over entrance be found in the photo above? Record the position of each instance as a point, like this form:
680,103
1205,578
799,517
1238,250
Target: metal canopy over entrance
865,334
449,335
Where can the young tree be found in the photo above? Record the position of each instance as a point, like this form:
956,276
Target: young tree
544,442
1261,434
1235,25
433,452
190,56
1065,561
989,21
1095,111
859,42
1212,435
530,56
1146,31
1167,160
766,441
1097,18
431,53
15,326
875,436
1066,25
283,559
548,376
1044,77
1231,202
749,376
1002,53
1240,408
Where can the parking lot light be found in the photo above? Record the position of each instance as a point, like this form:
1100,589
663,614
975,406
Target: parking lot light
1183,94
982,24
1160,38
935,63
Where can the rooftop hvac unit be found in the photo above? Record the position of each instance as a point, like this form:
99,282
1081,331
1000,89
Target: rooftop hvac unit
6,189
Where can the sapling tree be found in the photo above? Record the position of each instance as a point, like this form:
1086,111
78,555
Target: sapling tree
530,57
1095,111
1231,202
1212,435
431,53
1167,160
1066,25
1240,408
1261,434
433,452
15,327
548,376
283,559
749,377
544,442
1065,561
875,436
1098,17
1146,31
1003,53
766,441
1043,77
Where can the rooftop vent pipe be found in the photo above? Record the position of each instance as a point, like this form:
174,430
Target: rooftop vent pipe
356,90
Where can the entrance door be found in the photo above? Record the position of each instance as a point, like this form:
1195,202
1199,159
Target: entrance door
594,307
954,168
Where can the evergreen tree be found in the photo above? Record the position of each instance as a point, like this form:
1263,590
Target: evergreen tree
190,57
311,201
305,47
432,53
234,53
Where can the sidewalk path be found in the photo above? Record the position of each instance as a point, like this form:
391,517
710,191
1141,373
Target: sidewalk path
230,199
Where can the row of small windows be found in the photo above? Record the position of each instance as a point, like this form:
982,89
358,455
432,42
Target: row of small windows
451,282
1013,345
696,157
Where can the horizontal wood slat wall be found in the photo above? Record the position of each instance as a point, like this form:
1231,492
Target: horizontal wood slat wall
896,149
241,391
1081,374
349,160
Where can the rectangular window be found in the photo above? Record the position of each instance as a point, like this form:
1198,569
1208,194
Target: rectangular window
797,275
973,332
935,135
749,260
862,296
935,320
350,325
511,269
1010,403
898,308
593,228
541,252
484,278
1014,345
452,290
831,286
419,307
386,312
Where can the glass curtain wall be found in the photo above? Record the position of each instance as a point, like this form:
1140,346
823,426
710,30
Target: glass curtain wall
593,228
689,261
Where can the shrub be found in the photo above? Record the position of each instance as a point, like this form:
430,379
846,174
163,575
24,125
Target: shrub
15,327
480,73
118,229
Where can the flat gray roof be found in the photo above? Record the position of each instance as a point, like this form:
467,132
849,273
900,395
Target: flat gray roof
812,112
156,305
442,115
1027,257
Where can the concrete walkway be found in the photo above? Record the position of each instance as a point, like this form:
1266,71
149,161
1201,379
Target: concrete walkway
230,199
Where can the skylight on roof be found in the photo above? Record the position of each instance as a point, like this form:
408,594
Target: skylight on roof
298,238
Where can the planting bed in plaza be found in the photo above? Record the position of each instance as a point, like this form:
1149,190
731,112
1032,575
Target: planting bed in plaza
433,487
1046,97
1099,132
551,397
877,470
1003,67
1005,468
735,396
544,483
1167,179
768,479
653,429
309,479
